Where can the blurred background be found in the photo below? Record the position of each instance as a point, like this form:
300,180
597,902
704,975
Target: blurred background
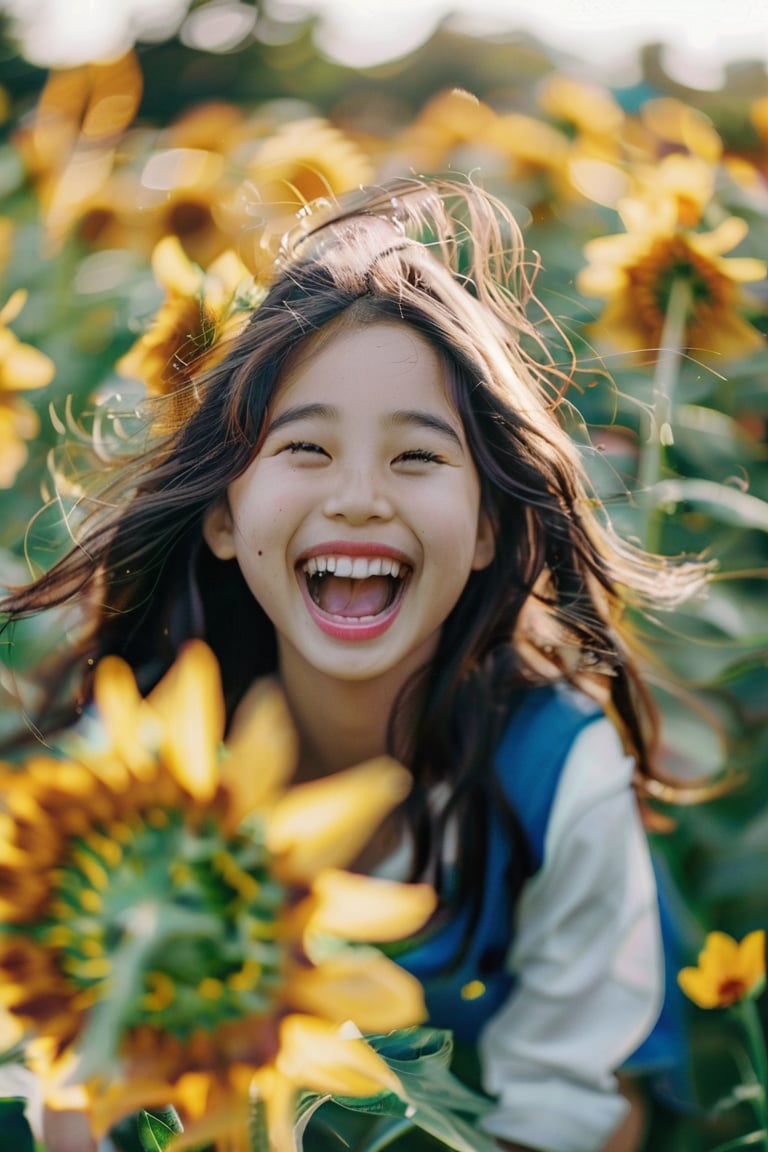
631,141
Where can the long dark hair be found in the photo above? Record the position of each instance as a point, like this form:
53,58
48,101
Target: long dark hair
446,259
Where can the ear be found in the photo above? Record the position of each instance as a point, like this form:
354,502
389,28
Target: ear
218,529
485,542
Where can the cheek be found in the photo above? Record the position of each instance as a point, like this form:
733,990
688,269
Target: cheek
451,524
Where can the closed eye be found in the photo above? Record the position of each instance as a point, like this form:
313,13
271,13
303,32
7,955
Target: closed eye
304,446
420,456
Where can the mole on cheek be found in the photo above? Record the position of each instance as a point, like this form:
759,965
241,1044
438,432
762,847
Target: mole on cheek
260,553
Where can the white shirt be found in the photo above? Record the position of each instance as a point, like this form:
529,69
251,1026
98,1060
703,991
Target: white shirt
588,958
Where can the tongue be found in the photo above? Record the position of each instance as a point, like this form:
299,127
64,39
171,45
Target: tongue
342,596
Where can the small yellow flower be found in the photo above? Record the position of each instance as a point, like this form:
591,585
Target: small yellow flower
727,971
172,913
634,272
189,332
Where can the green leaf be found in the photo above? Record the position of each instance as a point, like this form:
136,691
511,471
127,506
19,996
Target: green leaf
146,1131
157,1130
15,1132
720,501
433,1099
750,1140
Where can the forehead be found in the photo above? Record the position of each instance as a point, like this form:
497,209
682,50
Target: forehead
375,361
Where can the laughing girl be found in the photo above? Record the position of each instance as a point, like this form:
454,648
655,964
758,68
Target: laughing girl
372,498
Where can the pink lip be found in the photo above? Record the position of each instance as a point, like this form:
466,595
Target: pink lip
353,548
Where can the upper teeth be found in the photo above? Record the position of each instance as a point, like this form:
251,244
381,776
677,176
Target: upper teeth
358,567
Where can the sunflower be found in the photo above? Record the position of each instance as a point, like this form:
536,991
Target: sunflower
688,180
673,122
215,126
188,334
300,162
451,122
590,108
727,971
69,147
172,916
636,271
22,368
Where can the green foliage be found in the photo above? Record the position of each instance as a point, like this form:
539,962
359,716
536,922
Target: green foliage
434,1101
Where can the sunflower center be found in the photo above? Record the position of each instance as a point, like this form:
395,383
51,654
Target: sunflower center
182,919
670,261
189,218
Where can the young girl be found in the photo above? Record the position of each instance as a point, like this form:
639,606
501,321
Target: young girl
372,498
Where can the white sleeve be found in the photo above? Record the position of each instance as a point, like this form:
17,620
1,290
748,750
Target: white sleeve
588,958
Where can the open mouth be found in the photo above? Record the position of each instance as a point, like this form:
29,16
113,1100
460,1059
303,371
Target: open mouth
354,589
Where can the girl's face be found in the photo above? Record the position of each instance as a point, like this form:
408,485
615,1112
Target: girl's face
358,523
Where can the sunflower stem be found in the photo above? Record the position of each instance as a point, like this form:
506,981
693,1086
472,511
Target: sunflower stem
749,1017
664,385
258,1129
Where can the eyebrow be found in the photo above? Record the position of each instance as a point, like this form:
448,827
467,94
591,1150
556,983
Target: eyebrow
301,412
403,417
415,417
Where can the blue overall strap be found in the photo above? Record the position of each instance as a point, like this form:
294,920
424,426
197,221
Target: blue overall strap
464,975
533,751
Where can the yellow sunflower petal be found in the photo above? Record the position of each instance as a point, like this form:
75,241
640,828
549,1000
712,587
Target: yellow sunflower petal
189,702
112,1102
721,239
655,215
262,749
616,250
369,989
225,1123
315,1056
173,269
13,306
278,1093
57,1075
11,1031
600,280
325,823
27,368
362,908
228,271
120,706
744,269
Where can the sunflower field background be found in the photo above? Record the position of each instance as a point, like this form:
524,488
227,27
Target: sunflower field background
137,192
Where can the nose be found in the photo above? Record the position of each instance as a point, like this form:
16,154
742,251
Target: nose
358,496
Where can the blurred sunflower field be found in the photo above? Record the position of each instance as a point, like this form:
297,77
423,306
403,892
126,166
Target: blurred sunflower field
142,200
